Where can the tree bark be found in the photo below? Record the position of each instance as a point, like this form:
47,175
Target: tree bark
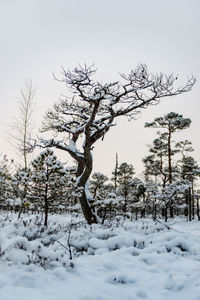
86,168
46,206
198,211
46,209
166,211
189,205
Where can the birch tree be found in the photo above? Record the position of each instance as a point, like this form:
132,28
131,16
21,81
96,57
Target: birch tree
22,126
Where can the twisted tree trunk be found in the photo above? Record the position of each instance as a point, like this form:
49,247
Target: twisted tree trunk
84,171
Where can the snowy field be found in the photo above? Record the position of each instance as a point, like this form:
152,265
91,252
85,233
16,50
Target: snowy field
126,261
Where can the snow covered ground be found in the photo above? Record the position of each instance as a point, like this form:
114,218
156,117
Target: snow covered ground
126,261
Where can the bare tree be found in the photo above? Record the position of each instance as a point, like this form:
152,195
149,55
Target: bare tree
91,110
22,126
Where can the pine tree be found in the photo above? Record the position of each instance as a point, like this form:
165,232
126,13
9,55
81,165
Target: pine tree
171,122
125,174
97,184
6,191
189,171
48,181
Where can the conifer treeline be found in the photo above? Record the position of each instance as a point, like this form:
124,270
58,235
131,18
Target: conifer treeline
168,187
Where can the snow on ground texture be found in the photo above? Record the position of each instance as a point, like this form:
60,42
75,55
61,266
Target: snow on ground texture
128,261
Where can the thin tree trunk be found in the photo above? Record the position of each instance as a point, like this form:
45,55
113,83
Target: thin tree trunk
170,170
192,195
125,204
198,211
189,205
136,213
154,211
46,206
171,210
169,157
166,211
116,170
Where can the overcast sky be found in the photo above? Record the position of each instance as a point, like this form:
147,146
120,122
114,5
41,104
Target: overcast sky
39,36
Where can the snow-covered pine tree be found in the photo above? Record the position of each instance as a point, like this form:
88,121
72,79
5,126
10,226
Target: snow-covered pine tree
190,171
171,123
6,190
125,174
49,181
97,184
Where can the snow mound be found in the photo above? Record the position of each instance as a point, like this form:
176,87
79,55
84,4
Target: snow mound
71,260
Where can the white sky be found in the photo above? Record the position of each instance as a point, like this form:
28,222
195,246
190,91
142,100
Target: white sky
38,36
